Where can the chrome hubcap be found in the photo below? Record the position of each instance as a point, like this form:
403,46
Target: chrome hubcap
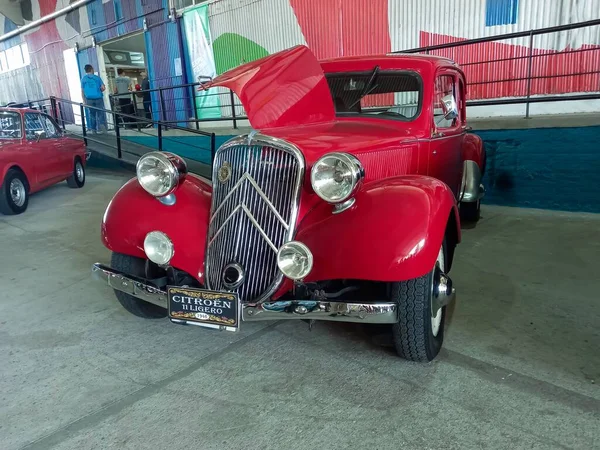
17,192
79,173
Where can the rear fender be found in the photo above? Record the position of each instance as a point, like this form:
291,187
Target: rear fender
392,233
133,213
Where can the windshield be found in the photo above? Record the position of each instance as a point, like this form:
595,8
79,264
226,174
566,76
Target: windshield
392,95
10,125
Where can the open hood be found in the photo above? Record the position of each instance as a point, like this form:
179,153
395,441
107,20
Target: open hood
287,88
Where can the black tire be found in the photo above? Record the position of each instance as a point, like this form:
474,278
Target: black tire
136,267
77,178
8,204
413,335
470,212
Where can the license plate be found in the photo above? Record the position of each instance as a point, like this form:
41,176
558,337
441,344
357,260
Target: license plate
204,308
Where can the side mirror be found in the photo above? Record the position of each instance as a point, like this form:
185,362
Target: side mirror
40,135
449,107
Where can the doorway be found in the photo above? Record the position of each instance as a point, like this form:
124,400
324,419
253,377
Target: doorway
120,59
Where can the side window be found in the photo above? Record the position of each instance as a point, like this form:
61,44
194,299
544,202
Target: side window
33,126
52,130
444,85
10,125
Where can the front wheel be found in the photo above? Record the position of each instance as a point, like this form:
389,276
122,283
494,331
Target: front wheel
419,334
77,178
14,195
131,265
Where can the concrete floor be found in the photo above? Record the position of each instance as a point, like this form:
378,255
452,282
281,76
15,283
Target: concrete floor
520,366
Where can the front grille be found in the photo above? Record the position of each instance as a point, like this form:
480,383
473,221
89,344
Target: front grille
254,207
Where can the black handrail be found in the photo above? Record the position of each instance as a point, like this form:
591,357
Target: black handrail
56,107
162,113
527,99
501,37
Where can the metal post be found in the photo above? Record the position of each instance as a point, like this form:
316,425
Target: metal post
83,131
162,105
160,142
529,69
195,106
135,110
62,115
213,148
53,108
232,109
118,135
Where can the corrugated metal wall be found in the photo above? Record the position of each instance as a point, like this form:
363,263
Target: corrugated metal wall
243,30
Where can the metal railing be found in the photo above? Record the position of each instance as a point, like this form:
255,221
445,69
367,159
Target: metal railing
180,104
73,118
525,74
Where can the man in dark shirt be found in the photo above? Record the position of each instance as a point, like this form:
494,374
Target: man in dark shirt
146,96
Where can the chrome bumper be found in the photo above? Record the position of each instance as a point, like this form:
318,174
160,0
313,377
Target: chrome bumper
378,313
129,285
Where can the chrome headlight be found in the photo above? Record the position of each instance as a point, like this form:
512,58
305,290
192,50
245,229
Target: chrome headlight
335,176
158,248
159,173
295,260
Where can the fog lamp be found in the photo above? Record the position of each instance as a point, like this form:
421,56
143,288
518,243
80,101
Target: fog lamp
158,248
295,260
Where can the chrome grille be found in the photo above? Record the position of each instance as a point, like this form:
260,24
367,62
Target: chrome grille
253,212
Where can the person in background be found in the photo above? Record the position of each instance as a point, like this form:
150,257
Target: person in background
123,91
146,97
92,88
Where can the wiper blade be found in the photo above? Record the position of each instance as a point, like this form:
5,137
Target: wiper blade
368,87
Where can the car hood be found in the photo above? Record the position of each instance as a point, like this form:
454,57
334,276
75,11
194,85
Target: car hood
363,138
285,89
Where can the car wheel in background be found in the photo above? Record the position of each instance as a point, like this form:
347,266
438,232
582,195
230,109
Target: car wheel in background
14,195
77,178
470,212
130,265
418,335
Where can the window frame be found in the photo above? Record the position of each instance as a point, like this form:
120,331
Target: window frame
38,114
20,118
59,131
367,73
455,89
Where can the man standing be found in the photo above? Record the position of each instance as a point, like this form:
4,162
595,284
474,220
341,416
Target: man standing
123,91
92,88
146,96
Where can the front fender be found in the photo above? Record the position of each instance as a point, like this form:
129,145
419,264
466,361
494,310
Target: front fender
474,150
133,213
392,233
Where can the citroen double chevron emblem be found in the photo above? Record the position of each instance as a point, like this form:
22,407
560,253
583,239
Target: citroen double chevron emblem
224,173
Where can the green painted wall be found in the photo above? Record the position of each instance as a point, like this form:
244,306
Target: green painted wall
231,50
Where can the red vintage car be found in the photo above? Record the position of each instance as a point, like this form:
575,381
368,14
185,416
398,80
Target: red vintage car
344,204
34,154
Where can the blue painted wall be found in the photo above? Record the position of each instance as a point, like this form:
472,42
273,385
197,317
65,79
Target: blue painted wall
547,168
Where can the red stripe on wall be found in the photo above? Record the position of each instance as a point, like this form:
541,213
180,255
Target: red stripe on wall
558,72
344,27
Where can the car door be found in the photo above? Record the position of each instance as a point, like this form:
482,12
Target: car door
446,140
44,147
65,147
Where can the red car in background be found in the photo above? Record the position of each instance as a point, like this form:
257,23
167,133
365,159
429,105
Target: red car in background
35,154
